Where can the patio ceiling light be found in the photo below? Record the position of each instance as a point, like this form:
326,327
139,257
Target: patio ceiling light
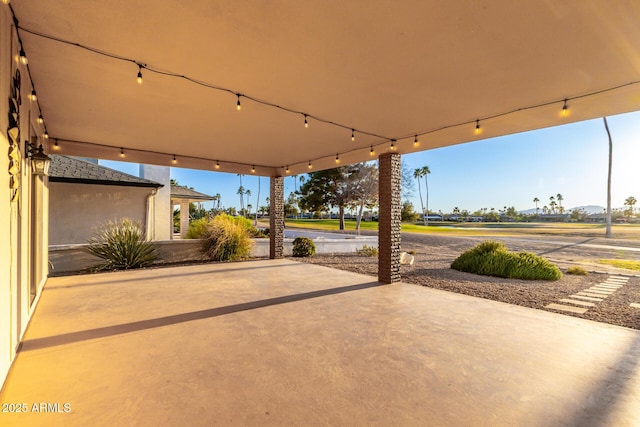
23,57
217,164
139,78
353,135
39,160
32,95
306,123
478,130
174,161
565,109
238,105
121,152
40,119
415,141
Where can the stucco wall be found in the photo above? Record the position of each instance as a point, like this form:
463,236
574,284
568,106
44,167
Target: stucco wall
76,209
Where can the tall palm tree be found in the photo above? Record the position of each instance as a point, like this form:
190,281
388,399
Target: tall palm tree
536,201
608,232
417,174
218,198
559,198
247,193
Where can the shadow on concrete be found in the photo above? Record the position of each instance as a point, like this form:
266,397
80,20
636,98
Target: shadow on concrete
107,331
566,246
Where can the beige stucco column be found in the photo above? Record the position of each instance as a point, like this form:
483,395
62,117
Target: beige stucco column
184,218
389,218
276,218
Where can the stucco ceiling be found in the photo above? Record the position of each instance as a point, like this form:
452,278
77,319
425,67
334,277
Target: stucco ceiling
389,68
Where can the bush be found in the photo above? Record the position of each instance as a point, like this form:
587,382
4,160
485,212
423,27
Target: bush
303,247
198,228
122,245
577,271
492,258
367,251
227,238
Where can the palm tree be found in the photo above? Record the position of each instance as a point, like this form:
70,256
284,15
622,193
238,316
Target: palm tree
247,193
608,232
241,192
631,202
218,198
417,174
545,210
560,199
552,204
536,201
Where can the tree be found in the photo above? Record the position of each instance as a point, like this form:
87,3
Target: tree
247,193
407,213
560,199
536,201
241,193
608,232
631,202
419,173
407,182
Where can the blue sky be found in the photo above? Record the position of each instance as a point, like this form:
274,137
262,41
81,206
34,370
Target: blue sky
493,173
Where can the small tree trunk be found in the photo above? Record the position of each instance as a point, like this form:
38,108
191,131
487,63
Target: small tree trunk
359,217
608,232
341,214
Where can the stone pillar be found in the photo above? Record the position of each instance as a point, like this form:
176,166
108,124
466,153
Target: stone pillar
184,218
276,218
389,218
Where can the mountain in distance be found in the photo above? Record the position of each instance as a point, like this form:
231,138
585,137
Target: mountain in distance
589,209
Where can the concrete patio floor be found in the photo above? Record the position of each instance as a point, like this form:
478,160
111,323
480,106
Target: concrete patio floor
276,342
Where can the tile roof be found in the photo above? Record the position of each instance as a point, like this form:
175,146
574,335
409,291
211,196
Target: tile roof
182,192
71,169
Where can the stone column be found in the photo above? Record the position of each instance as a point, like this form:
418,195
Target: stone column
276,218
389,218
184,218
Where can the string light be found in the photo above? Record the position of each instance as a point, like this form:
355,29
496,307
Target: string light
238,106
40,119
55,145
415,141
253,168
287,169
337,158
478,129
353,135
371,152
565,109
121,152
23,57
174,159
309,166
5,1
306,123
393,144
32,95
139,78
45,135
217,164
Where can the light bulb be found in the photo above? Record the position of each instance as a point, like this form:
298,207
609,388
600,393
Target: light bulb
287,170
32,95
238,106
337,158
565,109
45,135
393,144
121,152
309,165
139,78
40,119
306,123
353,135
174,159
56,146
253,169
5,1
478,129
371,152
217,164
415,141
23,57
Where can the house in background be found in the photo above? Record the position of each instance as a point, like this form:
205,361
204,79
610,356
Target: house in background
84,195
182,196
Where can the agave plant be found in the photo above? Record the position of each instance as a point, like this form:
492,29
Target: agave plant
122,246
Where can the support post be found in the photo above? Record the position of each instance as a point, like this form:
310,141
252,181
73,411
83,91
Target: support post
184,218
276,217
389,218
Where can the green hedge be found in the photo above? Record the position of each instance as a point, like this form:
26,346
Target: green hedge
492,258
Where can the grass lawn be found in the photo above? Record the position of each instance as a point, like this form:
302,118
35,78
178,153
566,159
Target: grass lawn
621,263
620,231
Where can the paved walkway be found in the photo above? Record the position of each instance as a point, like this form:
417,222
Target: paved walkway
284,343
582,301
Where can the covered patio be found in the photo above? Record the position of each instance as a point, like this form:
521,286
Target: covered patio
276,342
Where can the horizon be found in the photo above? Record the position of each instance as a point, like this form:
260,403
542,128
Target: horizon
510,170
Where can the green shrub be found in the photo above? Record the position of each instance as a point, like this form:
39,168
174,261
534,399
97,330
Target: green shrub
303,247
122,245
198,228
367,251
228,238
492,258
577,271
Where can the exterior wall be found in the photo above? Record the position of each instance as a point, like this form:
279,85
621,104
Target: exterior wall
76,209
23,221
161,223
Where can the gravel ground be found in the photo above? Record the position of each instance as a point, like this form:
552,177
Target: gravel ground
434,255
